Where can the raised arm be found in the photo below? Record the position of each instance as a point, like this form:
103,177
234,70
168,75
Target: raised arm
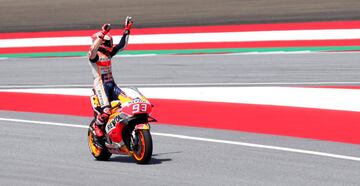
92,54
125,38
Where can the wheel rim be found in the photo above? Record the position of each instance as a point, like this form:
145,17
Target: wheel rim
139,154
94,150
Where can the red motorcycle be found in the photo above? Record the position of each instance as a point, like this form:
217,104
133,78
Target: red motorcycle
127,131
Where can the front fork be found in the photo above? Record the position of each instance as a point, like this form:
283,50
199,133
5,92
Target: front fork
134,139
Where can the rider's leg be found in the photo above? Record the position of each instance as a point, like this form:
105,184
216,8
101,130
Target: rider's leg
119,94
101,90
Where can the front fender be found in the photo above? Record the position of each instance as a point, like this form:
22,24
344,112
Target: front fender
142,126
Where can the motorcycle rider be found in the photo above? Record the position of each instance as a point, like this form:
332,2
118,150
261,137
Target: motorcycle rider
100,54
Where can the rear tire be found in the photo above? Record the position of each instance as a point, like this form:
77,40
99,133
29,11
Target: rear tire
143,153
101,154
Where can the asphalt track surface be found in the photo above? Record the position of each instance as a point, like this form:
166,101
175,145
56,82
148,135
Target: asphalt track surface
191,70
45,15
34,154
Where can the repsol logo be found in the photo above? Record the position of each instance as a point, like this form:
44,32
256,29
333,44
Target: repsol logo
112,124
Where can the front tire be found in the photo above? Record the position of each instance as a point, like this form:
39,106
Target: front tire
98,153
143,152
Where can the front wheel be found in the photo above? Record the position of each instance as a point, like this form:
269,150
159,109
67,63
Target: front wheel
142,151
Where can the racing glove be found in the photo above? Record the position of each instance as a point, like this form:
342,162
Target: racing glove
128,24
104,30
97,42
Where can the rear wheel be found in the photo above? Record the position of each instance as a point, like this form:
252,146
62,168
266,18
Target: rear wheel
142,151
98,153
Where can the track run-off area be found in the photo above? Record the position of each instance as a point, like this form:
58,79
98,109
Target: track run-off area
45,145
246,92
256,104
279,37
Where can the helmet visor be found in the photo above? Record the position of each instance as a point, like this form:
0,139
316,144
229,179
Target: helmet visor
108,41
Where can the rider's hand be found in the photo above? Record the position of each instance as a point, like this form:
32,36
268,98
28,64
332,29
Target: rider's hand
128,24
104,30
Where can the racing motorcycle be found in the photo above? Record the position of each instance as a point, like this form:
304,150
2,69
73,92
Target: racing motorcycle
127,131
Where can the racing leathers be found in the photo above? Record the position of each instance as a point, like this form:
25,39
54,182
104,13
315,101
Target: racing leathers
100,55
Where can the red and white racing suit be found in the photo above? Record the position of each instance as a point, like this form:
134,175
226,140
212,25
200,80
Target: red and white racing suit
104,84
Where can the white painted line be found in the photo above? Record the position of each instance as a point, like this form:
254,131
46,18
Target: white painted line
260,146
43,122
315,98
44,86
185,84
241,84
248,36
284,35
300,151
318,98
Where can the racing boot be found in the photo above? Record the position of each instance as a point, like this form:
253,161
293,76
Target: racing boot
101,120
98,129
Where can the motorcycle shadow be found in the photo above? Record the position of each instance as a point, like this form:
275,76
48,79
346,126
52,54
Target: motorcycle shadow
154,159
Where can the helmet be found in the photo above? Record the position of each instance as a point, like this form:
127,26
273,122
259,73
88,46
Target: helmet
108,42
